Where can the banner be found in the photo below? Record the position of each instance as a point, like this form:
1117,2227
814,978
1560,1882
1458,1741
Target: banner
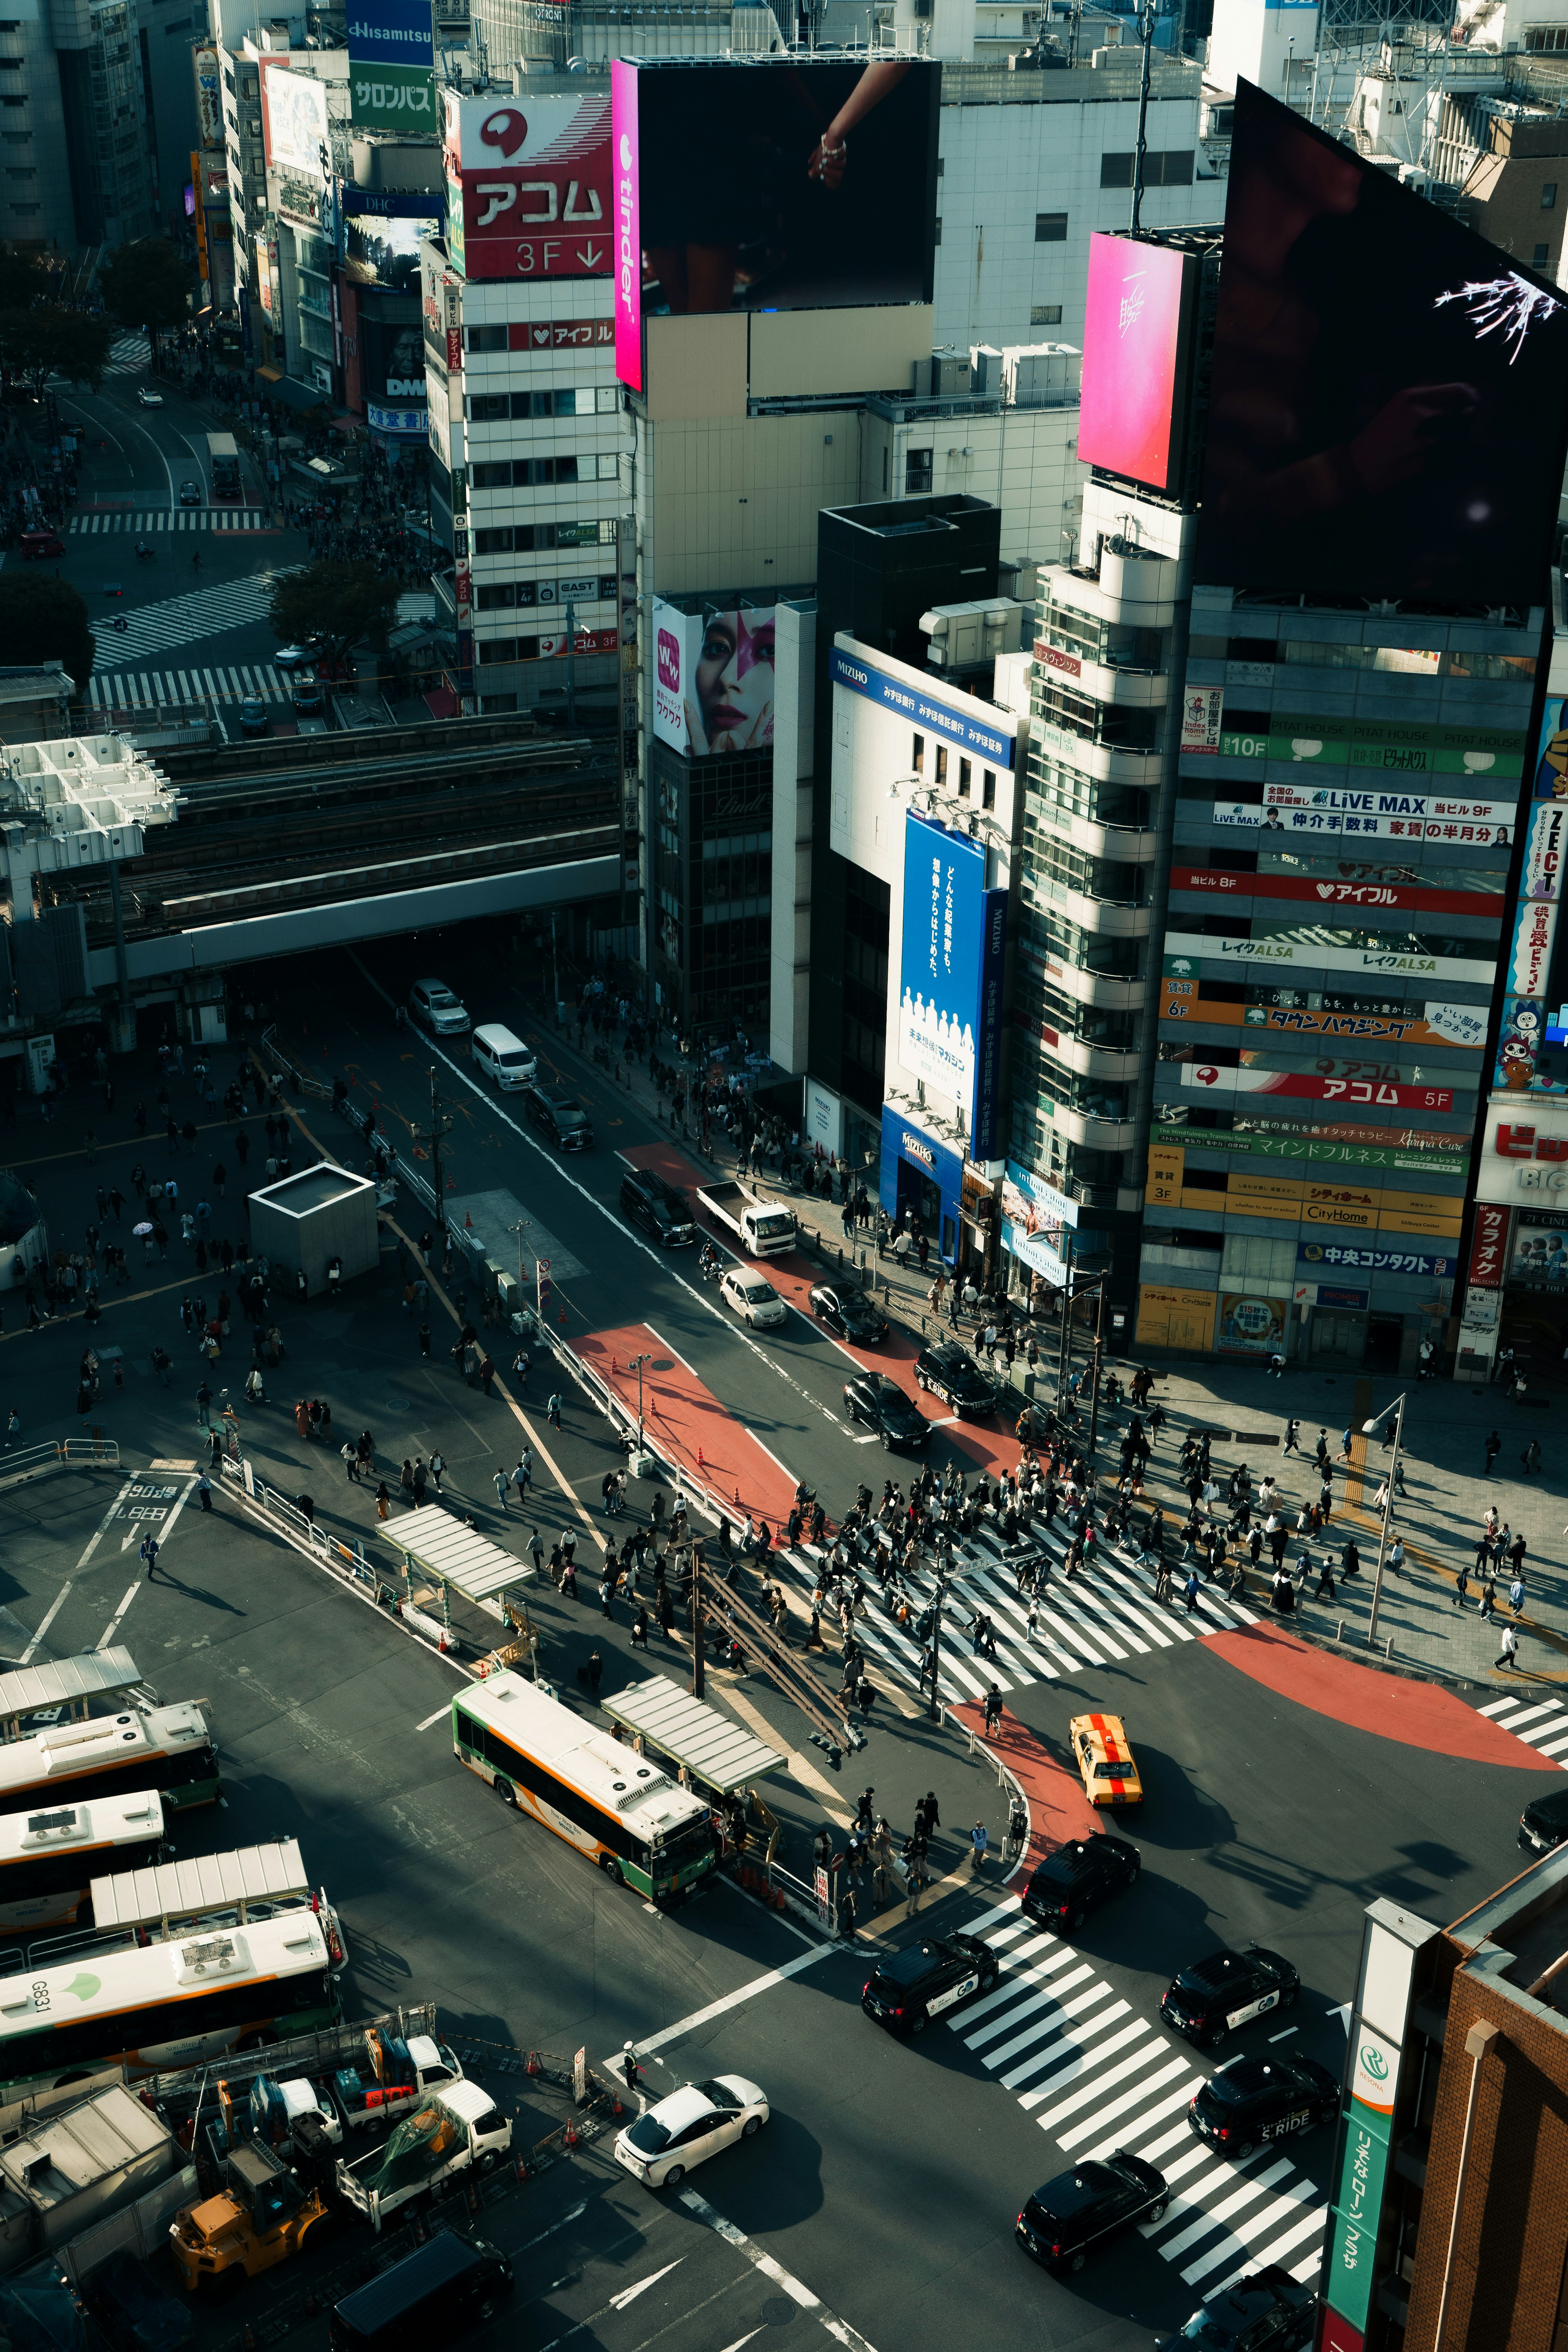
1201,706
1213,1079
1250,1325
1489,1246
1221,882
1429,1024
714,680
1316,739
986,737
953,941
1189,947
1367,1260
391,67
1466,832
1526,1012
529,185
293,119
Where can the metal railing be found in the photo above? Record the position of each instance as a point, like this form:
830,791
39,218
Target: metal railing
37,1461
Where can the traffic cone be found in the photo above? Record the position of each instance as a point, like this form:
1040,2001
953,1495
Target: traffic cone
524,2169
533,2066
474,2204
468,1221
616,2107
568,2137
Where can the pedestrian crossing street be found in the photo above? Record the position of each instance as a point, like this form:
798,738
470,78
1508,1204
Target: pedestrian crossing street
168,519
142,689
1106,1615
179,620
1096,2078
1545,1723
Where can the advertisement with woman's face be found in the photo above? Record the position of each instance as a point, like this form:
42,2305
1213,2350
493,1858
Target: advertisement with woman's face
714,680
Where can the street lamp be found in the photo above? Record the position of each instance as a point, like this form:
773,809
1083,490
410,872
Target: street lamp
635,1366
1397,1409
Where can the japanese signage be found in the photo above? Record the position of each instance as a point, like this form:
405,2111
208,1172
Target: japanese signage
1489,1249
1413,1151
1394,746
1215,1079
1371,1261
1522,1158
1426,1024
1282,949
391,66
1201,706
1357,890
1053,657
985,739
1250,1326
209,95
1462,832
953,941
1034,1215
560,335
1525,1011
529,185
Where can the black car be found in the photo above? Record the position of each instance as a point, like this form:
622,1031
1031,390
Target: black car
1065,2222
1268,2310
950,1373
657,1208
1258,2099
1080,1873
922,1981
882,1405
848,1312
1544,1821
558,1117
1211,1998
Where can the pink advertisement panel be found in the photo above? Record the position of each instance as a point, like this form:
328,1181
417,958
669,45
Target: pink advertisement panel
1131,344
626,227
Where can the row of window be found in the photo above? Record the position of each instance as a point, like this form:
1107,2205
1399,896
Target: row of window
541,473
942,761
509,649
1107,723
1405,661
538,538
1056,792
581,400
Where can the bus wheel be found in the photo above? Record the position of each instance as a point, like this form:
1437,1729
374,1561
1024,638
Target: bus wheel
612,1870
506,1792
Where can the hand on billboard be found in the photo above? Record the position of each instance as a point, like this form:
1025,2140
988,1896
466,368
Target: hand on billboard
1407,430
826,163
826,159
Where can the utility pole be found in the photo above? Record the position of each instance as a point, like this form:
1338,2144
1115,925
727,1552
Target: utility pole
1397,1409
1064,1352
439,1126
1094,1386
934,1710
572,672
635,1365
699,1662
1147,12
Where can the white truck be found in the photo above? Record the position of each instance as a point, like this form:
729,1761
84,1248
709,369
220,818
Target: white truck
353,2099
765,1227
458,2129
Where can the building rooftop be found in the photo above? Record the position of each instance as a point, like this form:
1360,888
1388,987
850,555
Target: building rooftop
1518,1938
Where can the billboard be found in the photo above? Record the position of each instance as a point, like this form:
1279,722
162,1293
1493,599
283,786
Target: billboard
714,680
1532,1042
209,94
391,66
293,119
529,185
1135,344
1390,392
790,185
950,974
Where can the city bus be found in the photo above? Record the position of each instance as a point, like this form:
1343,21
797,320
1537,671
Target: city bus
157,2007
613,1805
48,1860
223,457
169,1748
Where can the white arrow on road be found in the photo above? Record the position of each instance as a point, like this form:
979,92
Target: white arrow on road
1343,2014
630,2293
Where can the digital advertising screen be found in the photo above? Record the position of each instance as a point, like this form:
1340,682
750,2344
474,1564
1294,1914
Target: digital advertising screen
776,184
714,680
950,974
1389,398
1134,352
528,186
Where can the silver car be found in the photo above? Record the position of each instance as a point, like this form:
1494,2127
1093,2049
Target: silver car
434,1007
691,2125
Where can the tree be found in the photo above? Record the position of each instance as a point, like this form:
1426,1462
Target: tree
146,284
340,602
21,282
44,619
47,340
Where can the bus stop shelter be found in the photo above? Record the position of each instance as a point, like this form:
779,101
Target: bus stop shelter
715,1750
69,1684
440,1557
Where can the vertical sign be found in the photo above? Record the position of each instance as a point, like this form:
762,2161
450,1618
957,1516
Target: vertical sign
1489,1249
391,66
626,227
580,2077
1202,707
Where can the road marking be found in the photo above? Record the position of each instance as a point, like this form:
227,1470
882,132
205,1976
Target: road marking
717,2008
742,2339
1290,2030
575,2214
949,1422
97,1538
803,2295
442,1714
630,2293
111,1628
865,1440
673,1349
54,1608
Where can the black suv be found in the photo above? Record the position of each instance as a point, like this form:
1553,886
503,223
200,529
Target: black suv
1266,2312
912,1987
559,1119
950,1373
1256,2099
1544,1821
1215,1995
843,1308
1065,2222
1080,1872
882,1405
657,1208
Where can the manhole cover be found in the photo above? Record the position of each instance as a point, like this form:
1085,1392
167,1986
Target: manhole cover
778,2311
661,1363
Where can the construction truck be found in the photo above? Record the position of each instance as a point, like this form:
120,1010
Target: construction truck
261,2215
458,2129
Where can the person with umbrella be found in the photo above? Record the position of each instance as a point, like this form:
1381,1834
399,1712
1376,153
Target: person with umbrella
143,1232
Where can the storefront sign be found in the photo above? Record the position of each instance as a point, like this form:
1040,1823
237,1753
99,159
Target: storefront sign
1187,948
1397,746
560,335
1045,1206
1219,882
1371,1261
824,1117
1489,1249
936,1161
1461,831
1250,1325
529,185
1175,1318
1426,1024
1211,1078
862,676
1345,1302
1053,657
1201,706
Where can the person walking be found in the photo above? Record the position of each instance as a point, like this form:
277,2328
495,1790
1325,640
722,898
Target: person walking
424,1339
978,1842
1509,1654
437,1468
205,1492
847,1916
148,1555
500,1483
1292,1437
204,1405
552,1411
1516,1596
351,1461
1492,1448
1530,1457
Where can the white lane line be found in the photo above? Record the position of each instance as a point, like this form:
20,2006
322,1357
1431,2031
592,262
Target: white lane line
442,1714
1290,2030
742,2339
52,1613
630,2293
110,1629
730,2000
167,1530
673,1349
803,2295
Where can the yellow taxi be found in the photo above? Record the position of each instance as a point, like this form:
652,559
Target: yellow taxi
1105,1760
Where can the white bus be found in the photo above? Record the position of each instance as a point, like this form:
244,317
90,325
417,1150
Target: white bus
169,1748
49,1860
162,2006
616,1807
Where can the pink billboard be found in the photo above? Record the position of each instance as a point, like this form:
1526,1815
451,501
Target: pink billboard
627,223
1132,352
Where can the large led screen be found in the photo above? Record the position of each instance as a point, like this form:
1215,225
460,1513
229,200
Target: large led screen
1387,408
713,680
950,974
779,184
1133,347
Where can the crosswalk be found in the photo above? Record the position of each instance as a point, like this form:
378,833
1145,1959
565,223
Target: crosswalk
168,519
129,355
143,690
1106,1615
180,620
1096,2077
1543,1722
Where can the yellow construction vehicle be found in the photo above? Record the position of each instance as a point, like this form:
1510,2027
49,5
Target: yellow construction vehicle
262,2215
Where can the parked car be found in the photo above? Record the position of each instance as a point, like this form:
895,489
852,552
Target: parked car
657,1208
434,1007
882,1405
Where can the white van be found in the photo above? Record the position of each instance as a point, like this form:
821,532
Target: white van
499,1056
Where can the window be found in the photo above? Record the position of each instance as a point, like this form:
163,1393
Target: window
942,763
523,473
1540,253
1044,314
1548,195
487,407
21,175
963,774
1163,167
938,238
609,466
918,756
500,596
1546,37
496,477
492,542
988,790
917,472
1050,228
484,339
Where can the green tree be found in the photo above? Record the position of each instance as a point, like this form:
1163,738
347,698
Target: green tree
44,619
47,340
340,602
21,282
146,284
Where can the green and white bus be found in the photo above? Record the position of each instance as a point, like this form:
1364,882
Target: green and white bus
169,1748
49,1858
616,1807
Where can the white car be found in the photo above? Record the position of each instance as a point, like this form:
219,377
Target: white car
752,1299
687,2127
436,1008
149,399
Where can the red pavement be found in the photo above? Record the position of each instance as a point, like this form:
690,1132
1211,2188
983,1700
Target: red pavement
1058,1808
689,1422
1418,1714
793,1276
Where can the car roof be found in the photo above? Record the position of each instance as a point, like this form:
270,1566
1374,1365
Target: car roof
1552,1808
916,1961
1217,1968
684,2106
1074,2192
